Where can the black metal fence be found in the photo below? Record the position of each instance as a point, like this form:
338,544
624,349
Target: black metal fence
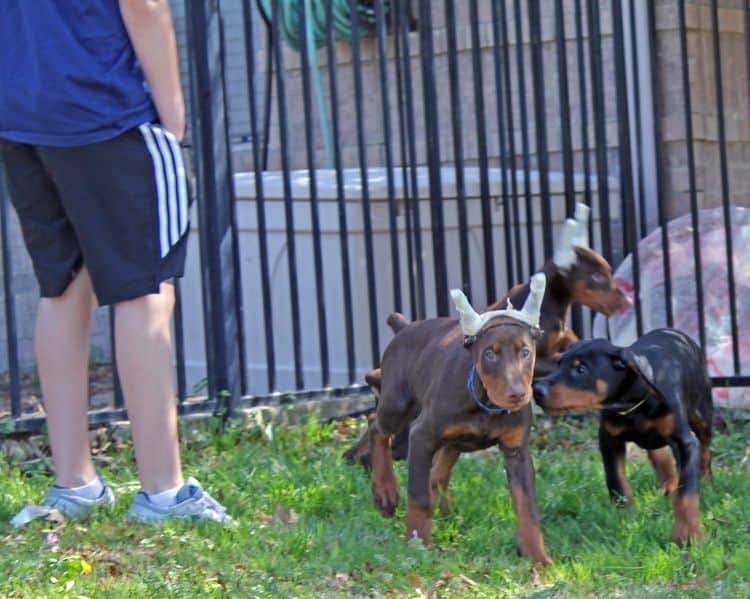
397,149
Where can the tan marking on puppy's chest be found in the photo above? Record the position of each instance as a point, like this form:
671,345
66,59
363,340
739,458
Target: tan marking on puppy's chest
662,426
454,431
613,429
511,438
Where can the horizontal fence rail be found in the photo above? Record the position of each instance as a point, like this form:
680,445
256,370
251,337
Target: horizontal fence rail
355,158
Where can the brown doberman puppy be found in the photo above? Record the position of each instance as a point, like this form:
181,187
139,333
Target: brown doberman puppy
576,275
655,393
463,386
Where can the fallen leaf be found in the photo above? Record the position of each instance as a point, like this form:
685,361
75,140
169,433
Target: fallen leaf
86,567
431,592
468,580
415,580
286,516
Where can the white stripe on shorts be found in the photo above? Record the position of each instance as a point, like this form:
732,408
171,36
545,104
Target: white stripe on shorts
169,169
181,181
161,198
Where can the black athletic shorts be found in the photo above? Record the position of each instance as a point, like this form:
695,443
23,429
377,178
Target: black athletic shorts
119,207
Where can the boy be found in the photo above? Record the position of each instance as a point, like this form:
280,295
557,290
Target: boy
91,115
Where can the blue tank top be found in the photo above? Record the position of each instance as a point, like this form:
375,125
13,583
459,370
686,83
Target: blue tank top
68,73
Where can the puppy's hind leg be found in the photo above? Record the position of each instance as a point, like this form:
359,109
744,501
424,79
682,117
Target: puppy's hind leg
391,416
701,422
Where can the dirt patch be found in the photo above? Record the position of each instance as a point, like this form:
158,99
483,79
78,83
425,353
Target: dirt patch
100,390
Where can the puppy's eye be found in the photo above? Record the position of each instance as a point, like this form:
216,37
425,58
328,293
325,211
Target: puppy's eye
525,352
490,355
578,369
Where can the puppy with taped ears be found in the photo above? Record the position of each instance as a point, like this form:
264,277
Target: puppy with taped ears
466,385
655,393
575,275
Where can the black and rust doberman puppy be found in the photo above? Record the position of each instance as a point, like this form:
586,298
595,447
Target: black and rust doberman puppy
576,275
651,393
463,385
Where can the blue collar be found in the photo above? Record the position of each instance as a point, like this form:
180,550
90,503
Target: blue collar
475,397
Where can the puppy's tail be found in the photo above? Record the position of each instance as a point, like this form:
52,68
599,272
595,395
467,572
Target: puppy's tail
397,321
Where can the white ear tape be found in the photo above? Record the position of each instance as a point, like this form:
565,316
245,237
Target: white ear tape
473,322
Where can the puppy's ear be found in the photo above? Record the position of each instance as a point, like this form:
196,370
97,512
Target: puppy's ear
637,362
641,365
469,340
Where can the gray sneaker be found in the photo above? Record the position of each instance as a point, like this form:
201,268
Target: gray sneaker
73,506
192,503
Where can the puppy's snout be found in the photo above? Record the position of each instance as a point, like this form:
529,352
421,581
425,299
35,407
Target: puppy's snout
541,389
516,393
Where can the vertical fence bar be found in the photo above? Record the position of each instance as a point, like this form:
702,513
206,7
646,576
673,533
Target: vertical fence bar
308,46
484,183
215,192
562,81
565,133
458,149
724,181
346,277
500,13
432,138
288,199
643,229
10,302
524,118
660,194
499,60
584,112
540,124
362,152
405,170
260,204
179,343
413,207
116,385
232,213
386,112
600,131
695,220
626,166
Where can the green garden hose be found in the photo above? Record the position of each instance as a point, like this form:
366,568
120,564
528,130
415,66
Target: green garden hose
315,25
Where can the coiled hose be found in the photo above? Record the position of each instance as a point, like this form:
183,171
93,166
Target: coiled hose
288,12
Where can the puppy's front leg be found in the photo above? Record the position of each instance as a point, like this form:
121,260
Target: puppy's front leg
422,447
520,471
685,502
613,457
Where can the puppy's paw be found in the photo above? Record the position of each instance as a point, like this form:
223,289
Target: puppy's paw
536,554
685,533
687,521
669,486
385,494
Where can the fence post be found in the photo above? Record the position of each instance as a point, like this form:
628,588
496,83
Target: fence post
215,202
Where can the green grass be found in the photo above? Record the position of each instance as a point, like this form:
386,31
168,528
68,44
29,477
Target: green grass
308,528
